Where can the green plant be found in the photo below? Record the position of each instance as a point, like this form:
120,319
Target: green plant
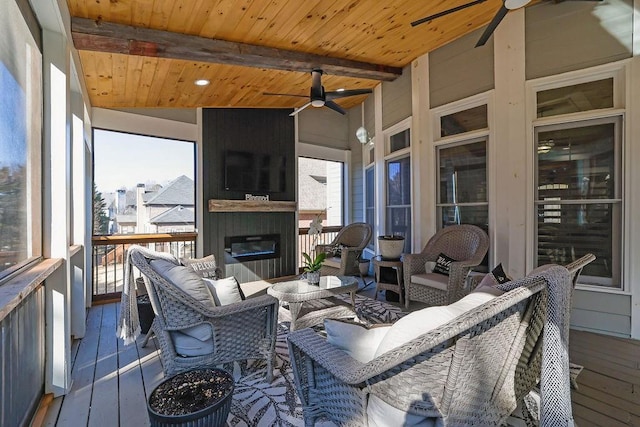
314,264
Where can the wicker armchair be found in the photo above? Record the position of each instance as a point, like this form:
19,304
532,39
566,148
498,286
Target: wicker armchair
575,267
242,330
351,241
470,371
465,243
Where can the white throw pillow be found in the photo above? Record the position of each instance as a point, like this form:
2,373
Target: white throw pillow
429,266
358,340
411,326
185,279
422,321
415,324
224,291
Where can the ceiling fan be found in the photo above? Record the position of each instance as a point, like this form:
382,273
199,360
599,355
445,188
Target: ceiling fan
507,5
318,97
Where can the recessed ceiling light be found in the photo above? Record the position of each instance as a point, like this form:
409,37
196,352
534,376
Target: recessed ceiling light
202,82
340,90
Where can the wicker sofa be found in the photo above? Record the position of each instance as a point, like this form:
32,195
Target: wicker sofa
472,370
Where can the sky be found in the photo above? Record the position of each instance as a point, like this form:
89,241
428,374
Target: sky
124,160
13,133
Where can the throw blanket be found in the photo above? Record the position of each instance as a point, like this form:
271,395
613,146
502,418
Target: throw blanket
129,323
555,388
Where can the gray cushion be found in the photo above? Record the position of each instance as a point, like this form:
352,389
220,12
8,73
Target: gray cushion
434,280
200,332
185,279
334,262
189,346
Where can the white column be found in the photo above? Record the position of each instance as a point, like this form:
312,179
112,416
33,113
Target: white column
422,153
632,152
378,154
510,144
56,209
79,182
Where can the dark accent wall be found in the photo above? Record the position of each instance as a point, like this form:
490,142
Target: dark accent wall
264,131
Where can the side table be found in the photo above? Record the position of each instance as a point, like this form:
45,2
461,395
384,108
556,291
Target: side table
396,264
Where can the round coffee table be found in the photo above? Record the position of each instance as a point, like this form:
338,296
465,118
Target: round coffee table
311,304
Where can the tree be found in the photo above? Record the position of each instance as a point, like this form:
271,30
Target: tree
100,218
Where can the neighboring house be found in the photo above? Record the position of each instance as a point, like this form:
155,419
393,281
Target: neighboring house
163,209
176,219
319,191
312,190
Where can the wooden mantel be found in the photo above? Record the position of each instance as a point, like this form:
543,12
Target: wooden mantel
219,205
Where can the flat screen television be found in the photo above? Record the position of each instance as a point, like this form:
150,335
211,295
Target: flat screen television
254,172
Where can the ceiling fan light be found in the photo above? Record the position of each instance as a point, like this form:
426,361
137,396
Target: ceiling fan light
362,135
317,103
515,4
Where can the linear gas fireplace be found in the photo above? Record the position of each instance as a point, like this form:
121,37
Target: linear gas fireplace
252,248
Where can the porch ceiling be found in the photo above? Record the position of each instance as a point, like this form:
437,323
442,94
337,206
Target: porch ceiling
147,61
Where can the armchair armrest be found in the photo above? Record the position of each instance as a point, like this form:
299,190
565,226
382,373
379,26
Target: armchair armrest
414,263
249,304
323,247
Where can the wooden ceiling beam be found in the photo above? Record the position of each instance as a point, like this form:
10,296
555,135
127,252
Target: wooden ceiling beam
101,36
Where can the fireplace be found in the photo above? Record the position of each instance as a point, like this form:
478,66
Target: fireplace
252,248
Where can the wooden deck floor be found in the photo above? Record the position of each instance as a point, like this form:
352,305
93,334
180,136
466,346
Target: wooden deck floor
609,385
111,381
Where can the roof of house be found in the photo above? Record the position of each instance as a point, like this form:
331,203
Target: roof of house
175,215
126,219
179,192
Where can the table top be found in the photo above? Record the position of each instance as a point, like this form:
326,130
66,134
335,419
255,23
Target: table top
387,262
301,290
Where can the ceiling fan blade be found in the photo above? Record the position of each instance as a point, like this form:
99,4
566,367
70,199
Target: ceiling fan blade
297,110
344,93
446,12
284,94
502,12
335,107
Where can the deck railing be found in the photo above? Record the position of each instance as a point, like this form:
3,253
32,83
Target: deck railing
109,256
306,242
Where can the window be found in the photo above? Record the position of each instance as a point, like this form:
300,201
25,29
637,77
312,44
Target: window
462,189
464,121
142,184
20,128
578,201
399,141
370,200
320,191
574,98
398,213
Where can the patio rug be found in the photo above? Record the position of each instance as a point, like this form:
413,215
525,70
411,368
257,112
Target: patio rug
257,403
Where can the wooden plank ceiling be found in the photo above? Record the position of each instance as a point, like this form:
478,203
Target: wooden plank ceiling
122,69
